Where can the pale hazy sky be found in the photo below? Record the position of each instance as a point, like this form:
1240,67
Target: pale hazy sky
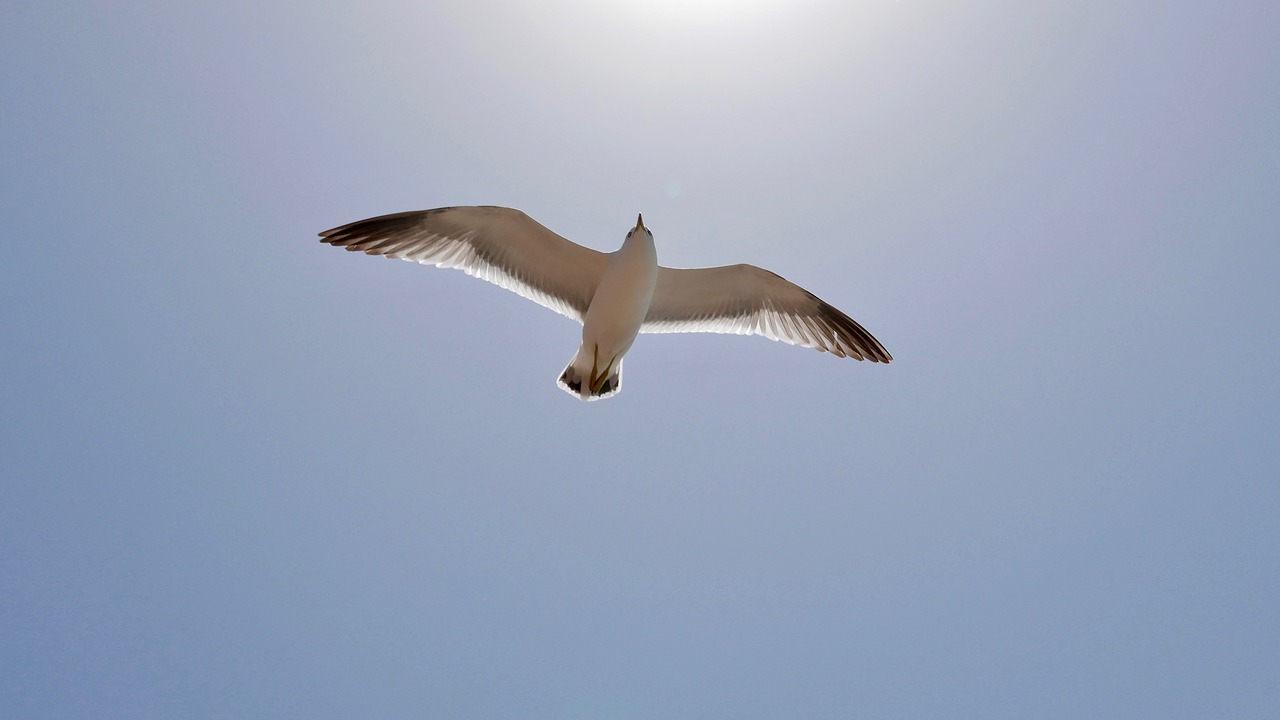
248,475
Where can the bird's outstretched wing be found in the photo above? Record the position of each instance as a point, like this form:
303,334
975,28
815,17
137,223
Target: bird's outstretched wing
501,245
747,300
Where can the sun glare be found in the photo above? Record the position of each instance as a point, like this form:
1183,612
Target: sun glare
675,12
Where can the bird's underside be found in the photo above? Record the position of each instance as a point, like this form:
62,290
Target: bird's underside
510,249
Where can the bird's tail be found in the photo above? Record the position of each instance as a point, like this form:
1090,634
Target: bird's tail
586,380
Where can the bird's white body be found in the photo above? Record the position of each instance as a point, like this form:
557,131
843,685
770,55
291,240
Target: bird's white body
614,317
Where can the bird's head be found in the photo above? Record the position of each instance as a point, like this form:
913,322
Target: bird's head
640,228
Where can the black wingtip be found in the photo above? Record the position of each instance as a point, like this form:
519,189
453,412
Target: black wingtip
863,343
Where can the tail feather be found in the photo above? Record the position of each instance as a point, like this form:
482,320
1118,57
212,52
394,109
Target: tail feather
576,381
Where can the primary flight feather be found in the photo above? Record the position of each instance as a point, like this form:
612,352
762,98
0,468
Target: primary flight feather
614,295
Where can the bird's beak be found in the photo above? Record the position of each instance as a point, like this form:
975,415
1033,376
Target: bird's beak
640,222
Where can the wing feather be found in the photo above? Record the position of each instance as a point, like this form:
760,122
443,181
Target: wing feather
501,245
747,300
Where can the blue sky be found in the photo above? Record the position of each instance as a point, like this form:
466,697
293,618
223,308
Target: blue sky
248,475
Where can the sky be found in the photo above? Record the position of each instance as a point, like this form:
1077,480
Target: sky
248,475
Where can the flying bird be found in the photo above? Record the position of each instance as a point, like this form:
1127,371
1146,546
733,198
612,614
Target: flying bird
614,295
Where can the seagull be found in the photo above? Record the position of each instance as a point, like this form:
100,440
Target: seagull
614,295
